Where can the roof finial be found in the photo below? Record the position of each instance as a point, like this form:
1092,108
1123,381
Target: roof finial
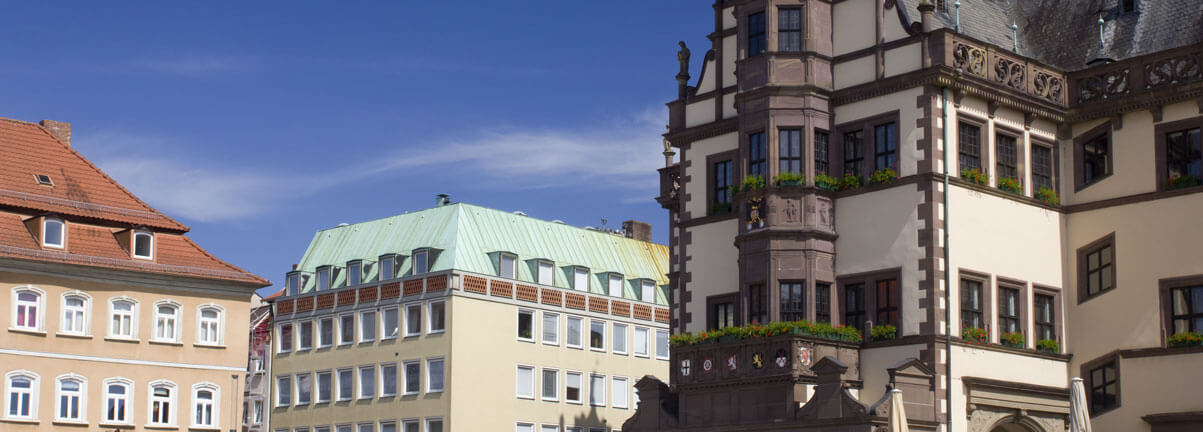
957,5
1100,31
1014,37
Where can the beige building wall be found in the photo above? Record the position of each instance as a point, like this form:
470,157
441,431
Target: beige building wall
713,262
909,133
97,355
848,24
698,171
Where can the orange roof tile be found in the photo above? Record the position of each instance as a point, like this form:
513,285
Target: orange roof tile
80,188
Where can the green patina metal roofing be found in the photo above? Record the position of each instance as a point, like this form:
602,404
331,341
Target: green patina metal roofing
468,238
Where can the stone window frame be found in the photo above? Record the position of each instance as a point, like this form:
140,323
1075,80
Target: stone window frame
1055,162
748,162
715,300
800,31
1021,167
987,306
800,157
826,160
1023,314
830,303
1082,252
806,307
983,144
1058,311
869,280
732,157
866,126
1167,308
1102,130
1160,131
1087,380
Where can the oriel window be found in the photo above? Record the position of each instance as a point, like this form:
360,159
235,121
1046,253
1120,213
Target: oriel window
823,302
758,307
793,301
821,138
789,30
790,151
757,152
756,34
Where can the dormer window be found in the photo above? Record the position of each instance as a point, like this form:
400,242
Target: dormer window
323,277
647,291
508,266
54,233
292,283
615,285
420,262
546,273
144,245
388,267
354,272
580,278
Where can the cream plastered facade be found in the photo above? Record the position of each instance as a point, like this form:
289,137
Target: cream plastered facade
98,358
481,353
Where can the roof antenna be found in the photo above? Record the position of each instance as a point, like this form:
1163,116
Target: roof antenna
957,5
1014,37
1100,31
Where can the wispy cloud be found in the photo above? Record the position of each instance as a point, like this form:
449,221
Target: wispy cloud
620,157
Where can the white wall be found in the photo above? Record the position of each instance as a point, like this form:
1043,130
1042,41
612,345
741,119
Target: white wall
698,171
713,262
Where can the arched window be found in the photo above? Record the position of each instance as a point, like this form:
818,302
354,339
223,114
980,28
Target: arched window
75,313
205,397
162,401
118,394
27,305
21,395
167,316
70,401
123,317
143,245
209,330
54,233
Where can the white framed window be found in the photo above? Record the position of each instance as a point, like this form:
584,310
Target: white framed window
580,279
28,305
366,427
413,319
70,398
325,332
641,341
144,243
434,424
346,384
411,425
390,319
388,426
434,375
283,390
647,291
167,318
161,406
524,385
436,317
597,390
123,317
662,344
551,385
615,285
292,283
21,395
346,329
572,387
284,337
597,335
367,382
572,334
420,264
549,428
325,383
413,377
304,335
526,325
618,392
118,396
210,325
76,306
388,267
257,414
324,275
321,429
524,427
618,339
304,382
54,233
206,405
343,428
508,267
547,273
388,379
354,272
367,326
551,328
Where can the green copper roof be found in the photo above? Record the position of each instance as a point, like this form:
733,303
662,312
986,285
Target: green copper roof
468,238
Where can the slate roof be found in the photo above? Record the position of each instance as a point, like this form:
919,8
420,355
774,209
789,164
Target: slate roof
96,209
1065,33
468,238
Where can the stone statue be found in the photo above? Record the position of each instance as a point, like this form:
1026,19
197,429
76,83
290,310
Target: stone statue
683,58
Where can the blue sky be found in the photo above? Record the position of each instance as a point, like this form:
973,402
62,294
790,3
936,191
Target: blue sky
259,123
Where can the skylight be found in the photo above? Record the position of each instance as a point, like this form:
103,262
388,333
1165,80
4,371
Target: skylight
44,179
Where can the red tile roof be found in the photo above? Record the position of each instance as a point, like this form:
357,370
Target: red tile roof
80,188
97,210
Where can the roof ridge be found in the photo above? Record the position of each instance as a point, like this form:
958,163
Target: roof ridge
104,175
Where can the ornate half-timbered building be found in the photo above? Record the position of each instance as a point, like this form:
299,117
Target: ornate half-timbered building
1001,196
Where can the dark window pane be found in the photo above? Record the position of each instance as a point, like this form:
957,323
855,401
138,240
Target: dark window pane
887,302
1096,155
756,154
853,156
722,179
854,305
969,147
823,302
789,30
789,145
820,152
885,145
971,303
793,300
756,34
1008,156
1042,168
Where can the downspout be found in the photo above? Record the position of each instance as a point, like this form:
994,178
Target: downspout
947,287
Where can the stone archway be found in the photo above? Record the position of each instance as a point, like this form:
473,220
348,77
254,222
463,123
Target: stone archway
997,419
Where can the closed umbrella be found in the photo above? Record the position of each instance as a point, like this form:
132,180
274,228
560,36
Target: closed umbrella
897,412
1079,416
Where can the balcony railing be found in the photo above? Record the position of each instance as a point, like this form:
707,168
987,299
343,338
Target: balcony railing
1138,75
997,66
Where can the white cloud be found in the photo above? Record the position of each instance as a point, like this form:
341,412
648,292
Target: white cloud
620,157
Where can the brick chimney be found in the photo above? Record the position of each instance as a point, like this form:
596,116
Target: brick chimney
637,230
60,130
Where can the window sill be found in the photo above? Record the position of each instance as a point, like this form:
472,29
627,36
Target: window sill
162,427
551,400
525,340
204,428
410,394
624,354
211,346
412,335
643,356
436,331
574,347
600,350
18,420
117,425
575,402
27,331
434,391
69,422
73,336
122,339
555,344
169,343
